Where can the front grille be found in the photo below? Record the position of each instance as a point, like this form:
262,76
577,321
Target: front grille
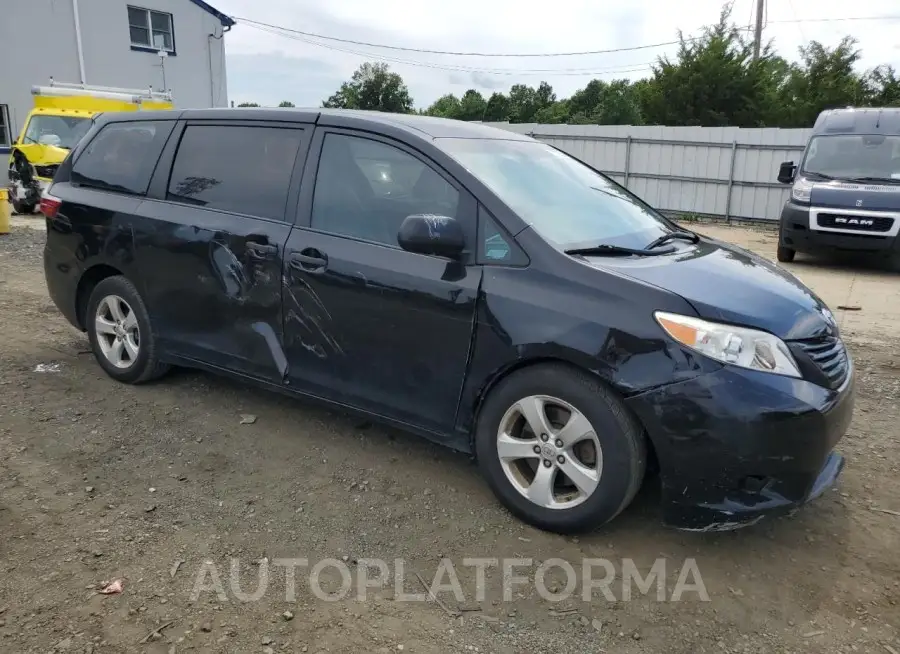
829,356
46,171
862,223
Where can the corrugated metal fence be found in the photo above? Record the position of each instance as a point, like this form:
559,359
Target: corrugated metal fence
725,172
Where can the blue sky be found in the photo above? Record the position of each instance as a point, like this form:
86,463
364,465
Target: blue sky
267,68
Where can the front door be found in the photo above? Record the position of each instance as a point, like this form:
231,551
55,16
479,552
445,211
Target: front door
366,323
211,243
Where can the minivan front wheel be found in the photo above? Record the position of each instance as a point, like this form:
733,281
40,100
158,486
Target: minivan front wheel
119,330
559,449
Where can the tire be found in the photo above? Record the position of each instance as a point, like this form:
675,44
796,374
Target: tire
132,339
619,470
23,208
785,254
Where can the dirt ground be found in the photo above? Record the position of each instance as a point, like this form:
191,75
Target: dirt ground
101,481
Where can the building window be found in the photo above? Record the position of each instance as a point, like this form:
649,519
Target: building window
151,29
5,132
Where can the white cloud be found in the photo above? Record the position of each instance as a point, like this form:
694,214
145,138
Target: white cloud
268,68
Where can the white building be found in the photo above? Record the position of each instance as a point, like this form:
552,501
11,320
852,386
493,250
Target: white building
110,43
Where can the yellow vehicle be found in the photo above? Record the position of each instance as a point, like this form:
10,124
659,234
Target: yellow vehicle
62,114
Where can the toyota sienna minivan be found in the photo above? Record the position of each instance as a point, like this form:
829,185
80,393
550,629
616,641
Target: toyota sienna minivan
477,287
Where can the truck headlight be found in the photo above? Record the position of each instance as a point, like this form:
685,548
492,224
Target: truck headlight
737,346
801,191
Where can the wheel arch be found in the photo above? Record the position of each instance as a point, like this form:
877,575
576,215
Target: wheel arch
500,375
86,284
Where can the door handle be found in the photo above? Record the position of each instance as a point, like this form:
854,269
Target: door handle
261,250
309,260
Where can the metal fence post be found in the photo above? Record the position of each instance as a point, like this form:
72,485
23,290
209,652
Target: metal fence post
730,182
627,159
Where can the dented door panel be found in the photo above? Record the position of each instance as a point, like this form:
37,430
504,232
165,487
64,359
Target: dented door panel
378,328
213,285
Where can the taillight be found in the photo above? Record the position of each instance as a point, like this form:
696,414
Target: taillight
50,205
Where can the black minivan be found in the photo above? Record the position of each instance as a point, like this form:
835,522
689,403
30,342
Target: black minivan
845,194
475,286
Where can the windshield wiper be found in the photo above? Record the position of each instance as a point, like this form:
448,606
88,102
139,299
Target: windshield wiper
665,238
804,173
889,180
605,249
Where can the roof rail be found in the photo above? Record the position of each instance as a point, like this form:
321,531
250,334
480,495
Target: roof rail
61,89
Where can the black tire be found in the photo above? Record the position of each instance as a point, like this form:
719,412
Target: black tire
23,208
146,365
785,254
621,438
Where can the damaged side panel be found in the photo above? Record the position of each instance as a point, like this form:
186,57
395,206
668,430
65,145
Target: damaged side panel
378,328
213,286
523,319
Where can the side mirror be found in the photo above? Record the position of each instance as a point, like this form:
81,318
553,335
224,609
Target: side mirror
440,236
786,172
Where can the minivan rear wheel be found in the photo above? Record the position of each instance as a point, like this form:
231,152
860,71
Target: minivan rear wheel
118,327
559,449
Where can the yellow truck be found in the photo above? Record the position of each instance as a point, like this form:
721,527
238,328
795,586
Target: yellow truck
62,114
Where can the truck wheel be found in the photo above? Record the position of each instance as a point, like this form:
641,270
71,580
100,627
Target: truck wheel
559,449
785,254
22,208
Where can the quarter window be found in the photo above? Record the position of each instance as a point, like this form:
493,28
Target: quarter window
151,29
122,156
365,189
235,168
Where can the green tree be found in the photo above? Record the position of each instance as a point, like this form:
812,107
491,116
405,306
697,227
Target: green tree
373,87
554,113
472,106
824,79
883,87
286,103
446,106
601,103
525,101
497,108
248,104
713,81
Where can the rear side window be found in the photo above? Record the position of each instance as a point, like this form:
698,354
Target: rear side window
235,168
122,156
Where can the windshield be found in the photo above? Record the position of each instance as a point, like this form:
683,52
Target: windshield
61,131
856,155
565,201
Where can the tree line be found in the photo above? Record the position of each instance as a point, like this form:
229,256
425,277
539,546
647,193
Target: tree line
712,81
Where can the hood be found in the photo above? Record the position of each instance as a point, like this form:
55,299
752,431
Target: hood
43,155
836,194
725,283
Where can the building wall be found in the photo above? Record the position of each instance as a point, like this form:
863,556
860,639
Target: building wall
714,171
37,41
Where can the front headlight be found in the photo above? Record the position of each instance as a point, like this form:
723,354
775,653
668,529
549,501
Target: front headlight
738,346
801,191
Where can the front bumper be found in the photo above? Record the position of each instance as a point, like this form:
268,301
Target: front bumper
18,192
797,234
737,445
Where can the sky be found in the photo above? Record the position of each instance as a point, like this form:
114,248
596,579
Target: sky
267,68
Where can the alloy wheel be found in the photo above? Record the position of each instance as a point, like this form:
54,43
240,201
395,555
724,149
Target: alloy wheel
549,452
117,331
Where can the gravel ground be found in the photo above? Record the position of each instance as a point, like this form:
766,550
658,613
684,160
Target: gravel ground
101,481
